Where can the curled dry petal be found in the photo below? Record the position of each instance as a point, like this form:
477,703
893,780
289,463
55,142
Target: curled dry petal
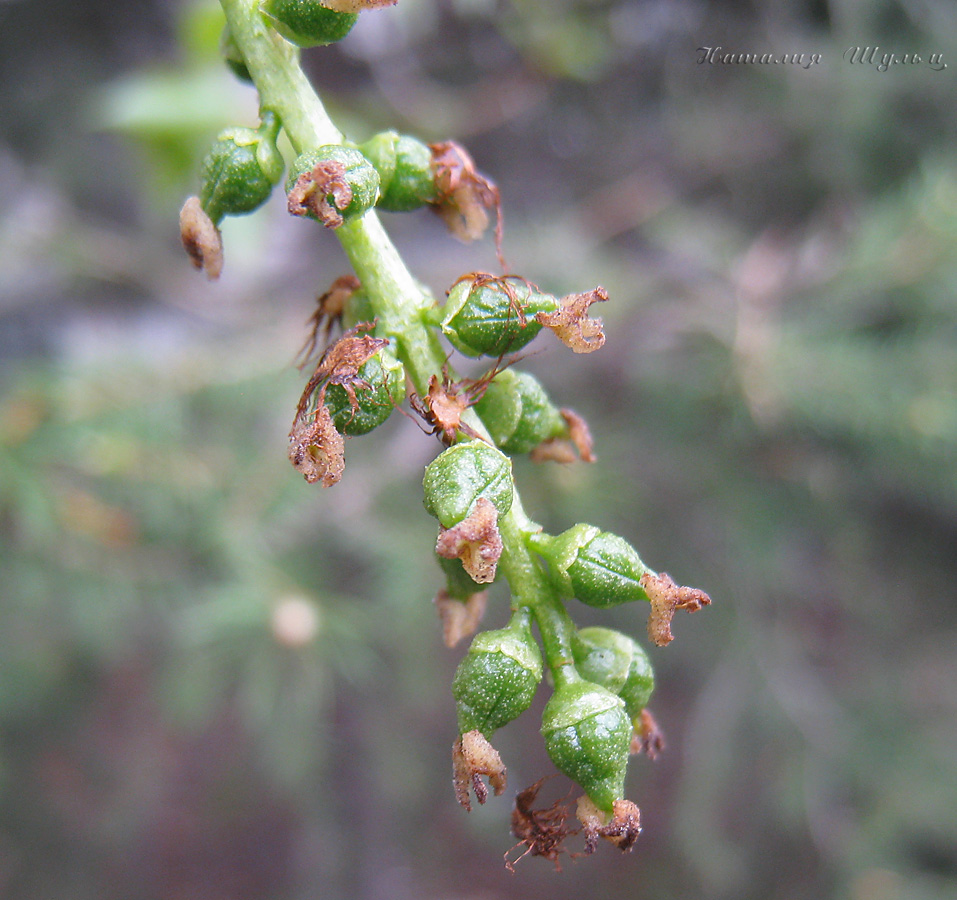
622,828
201,238
460,618
666,597
563,450
541,831
571,323
354,6
316,448
475,540
472,757
648,737
330,308
312,190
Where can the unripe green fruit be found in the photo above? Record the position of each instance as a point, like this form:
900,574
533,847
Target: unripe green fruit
359,174
307,23
616,662
384,386
456,478
587,735
484,315
517,412
599,568
497,678
238,173
404,165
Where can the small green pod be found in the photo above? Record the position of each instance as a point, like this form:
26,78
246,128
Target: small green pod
518,413
380,386
616,662
307,23
357,172
599,568
587,735
457,477
496,680
238,173
404,164
493,316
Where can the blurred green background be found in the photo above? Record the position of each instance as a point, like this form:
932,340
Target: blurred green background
218,682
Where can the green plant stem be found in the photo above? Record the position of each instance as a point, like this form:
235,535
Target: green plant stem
402,308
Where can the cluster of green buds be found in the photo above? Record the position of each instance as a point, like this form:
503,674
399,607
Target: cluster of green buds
397,345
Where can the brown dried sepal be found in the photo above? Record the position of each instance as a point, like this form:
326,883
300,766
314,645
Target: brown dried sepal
571,323
354,6
311,193
475,540
446,402
541,831
667,597
472,757
460,618
330,308
622,829
648,738
578,444
316,449
465,197
201,238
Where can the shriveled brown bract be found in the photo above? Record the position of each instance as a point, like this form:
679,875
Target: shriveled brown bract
667,597
322,191
201,238
571,323
475,540
472,757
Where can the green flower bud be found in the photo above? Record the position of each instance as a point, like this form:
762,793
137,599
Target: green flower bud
240,170
405,171
308,23
599,568
616,662
465,472
587,735
497,679
518,414
332,183
379,386
491,315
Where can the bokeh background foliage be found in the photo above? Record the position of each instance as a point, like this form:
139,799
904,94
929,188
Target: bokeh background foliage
217,682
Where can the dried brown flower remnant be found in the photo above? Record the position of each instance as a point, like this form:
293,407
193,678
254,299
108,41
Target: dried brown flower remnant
465,196
472,757
541,831
648,737
460,618
316,448
571,323
312,190
475,540
330,308
354,6
446,402
667,597
201,238
563,450
622,829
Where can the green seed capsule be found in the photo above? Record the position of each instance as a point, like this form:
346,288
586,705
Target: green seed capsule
308,23
599,568
493,316
587,735
616,662
459,476
332,183
404,165
518,414
240,170
384,376
497,679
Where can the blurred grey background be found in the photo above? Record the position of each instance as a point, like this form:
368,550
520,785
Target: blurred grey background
218,682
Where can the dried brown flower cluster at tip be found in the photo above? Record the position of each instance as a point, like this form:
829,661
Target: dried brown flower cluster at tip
472,757
667,597
475,540
622,829
312,190
648,738
460,618
465,196
571,323
315,447
330,308
201,238
578,445
541,831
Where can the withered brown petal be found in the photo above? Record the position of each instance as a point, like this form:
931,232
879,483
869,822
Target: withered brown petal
475,540
201,238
